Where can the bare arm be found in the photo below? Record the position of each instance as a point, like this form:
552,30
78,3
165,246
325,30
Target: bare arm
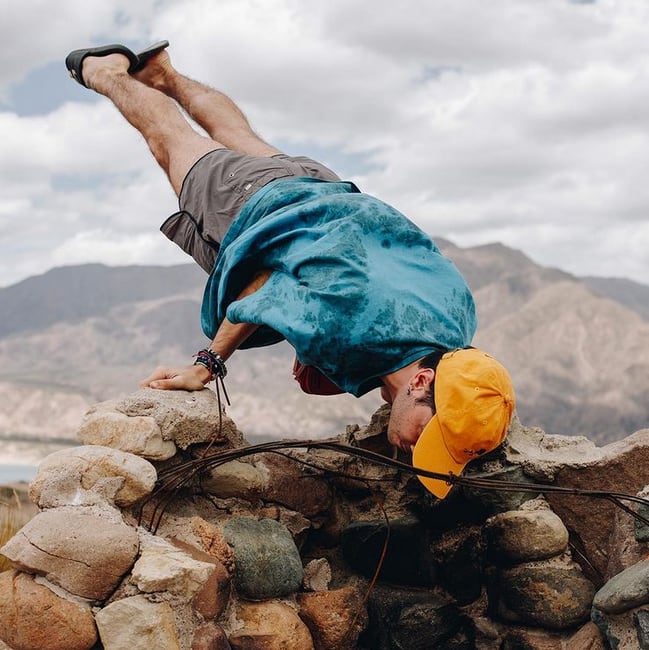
228,338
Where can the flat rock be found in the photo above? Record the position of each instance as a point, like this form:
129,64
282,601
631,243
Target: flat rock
210,601
269,626
267,561
186,417
235,479
139,435
575,462
525,536
288,485
164,567
32,616
552,596
136,624
91,475
86,551
626,590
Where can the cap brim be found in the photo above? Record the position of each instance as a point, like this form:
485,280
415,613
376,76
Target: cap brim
430,454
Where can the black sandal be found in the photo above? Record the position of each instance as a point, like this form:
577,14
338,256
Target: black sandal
144,56
74,60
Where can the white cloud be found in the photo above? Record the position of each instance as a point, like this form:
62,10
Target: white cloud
512,120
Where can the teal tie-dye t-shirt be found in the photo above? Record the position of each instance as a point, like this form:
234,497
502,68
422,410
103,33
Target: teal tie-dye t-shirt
357,289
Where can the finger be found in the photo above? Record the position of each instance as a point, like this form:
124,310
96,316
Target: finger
158,373
165,384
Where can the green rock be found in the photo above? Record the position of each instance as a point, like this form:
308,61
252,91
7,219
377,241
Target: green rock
267,562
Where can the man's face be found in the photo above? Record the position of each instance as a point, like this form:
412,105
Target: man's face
407,420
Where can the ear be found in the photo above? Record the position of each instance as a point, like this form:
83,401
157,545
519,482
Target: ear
422,379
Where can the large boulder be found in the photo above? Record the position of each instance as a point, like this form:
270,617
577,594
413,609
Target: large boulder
269,626
137,624
268,564
575,462
139,434
91,475
86,551
186,417
33,616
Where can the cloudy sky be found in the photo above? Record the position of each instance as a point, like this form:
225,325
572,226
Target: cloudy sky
519,121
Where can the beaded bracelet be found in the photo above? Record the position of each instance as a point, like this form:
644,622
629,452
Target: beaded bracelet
212,361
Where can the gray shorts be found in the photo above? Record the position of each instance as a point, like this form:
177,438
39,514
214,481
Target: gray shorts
216,188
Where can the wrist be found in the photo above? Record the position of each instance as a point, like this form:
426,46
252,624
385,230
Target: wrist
202,373
212,363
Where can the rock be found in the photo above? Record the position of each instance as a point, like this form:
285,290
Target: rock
136,624
139,435
624,550
417,619
269,626
210,636
525,536
618,630
84,550
408,560
458,555
587,637
287,485
641,621
235,479
186,417
642,529
91,475
32,616
334,618
164,567
552,596
522,639
210,602
317,575
626,590
268,564
495,501
619,467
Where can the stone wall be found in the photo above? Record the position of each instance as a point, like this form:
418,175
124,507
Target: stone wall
278,551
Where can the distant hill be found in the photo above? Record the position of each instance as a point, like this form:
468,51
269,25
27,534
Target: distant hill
72,293
631,294
577,349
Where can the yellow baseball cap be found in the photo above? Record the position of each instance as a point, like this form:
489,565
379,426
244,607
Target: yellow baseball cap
474,399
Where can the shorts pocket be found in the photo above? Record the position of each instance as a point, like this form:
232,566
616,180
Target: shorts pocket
252,174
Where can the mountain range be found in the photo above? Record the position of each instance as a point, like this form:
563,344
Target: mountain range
577,348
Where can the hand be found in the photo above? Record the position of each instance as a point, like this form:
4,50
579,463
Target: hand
186,378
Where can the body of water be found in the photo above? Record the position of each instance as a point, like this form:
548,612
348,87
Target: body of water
16,473
19,458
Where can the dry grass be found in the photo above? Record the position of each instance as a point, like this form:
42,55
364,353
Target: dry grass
13,516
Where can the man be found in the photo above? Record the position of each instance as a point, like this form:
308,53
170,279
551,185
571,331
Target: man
362,294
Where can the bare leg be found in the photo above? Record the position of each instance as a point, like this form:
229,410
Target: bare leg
210,108
173,142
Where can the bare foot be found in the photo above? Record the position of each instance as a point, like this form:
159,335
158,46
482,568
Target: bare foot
95,67
156,71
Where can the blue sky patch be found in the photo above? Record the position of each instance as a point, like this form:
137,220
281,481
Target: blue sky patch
43,90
